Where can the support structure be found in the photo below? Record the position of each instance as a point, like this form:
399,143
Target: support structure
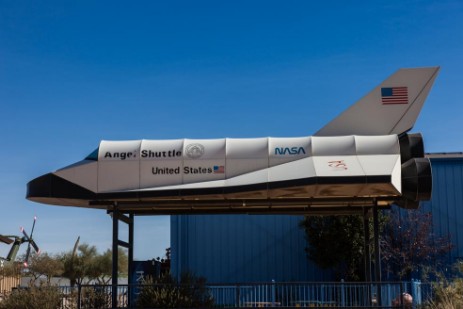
377,252
376,275
115,251
366,244
129,220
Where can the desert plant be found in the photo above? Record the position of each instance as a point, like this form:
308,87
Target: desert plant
448,294
44,297
95,297
165,292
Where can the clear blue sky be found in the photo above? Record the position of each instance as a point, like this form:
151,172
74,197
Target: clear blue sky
75,72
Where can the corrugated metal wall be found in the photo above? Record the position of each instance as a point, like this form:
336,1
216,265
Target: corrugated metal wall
241,248
8,283
447,201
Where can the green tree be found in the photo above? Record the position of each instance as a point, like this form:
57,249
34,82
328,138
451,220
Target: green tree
76,264
123,265
100,268
45,265
86,264
337,243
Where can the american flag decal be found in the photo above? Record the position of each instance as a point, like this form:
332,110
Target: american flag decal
394,95
219,169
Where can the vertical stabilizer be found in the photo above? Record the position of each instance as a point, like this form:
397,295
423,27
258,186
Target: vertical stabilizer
390,108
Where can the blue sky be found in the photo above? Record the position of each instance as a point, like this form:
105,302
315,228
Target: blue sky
75,72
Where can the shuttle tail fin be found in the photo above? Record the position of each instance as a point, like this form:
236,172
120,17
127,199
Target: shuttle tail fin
390,108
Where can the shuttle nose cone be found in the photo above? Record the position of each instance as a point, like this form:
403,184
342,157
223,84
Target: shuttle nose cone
39,187
54,190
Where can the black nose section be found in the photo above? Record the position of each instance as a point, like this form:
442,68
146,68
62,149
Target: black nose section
40,187
51,189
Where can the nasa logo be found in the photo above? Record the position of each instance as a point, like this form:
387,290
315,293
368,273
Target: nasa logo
194,151
281,151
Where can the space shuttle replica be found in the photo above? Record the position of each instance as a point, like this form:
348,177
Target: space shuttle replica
363,157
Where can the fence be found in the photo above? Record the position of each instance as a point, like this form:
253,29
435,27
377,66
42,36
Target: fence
331,295
273,294
7,283
9,278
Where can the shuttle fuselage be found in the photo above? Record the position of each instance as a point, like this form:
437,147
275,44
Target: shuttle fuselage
363,157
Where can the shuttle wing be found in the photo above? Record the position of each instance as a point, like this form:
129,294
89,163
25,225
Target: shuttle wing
390,108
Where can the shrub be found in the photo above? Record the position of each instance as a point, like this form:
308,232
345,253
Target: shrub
165,292
44,297
95,297
448,294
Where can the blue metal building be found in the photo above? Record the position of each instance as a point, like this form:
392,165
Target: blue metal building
250,248
242,248
446,204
